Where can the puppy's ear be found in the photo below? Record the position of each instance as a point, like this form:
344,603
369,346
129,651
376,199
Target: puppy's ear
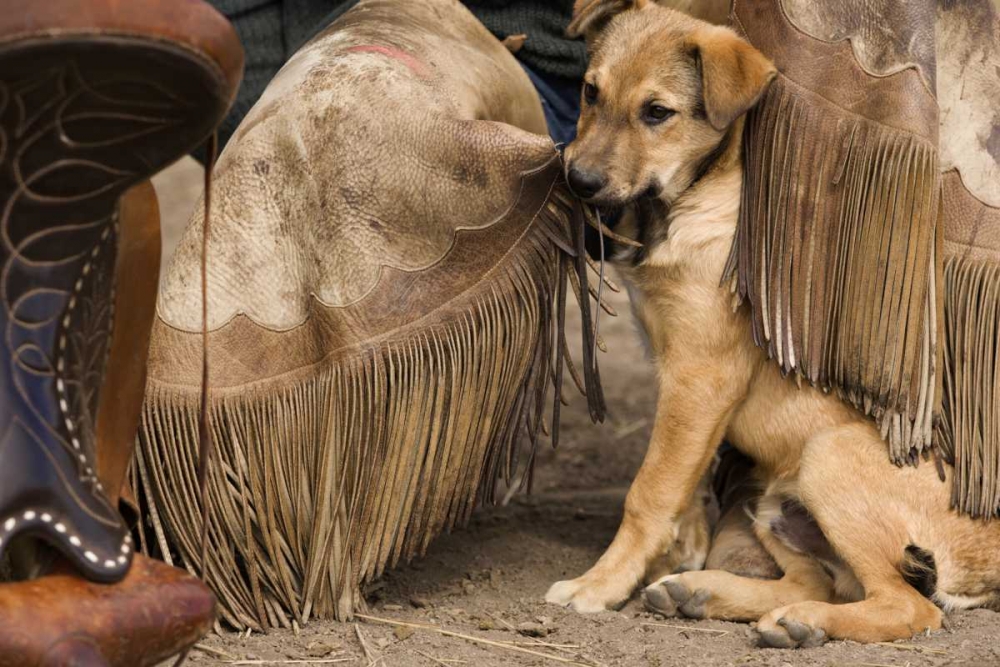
734,74
590,16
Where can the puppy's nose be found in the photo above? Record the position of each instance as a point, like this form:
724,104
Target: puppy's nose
584,184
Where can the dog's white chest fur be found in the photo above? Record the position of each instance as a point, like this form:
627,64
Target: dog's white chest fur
701,225
679,277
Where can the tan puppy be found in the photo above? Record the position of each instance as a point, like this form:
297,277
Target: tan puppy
661,132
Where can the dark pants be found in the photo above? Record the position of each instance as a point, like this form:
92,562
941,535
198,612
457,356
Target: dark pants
560,101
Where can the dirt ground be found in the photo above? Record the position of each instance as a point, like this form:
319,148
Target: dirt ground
487,581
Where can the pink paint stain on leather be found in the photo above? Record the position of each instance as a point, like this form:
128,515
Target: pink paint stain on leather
415,65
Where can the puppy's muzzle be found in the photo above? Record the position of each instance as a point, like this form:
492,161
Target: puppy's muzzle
585,184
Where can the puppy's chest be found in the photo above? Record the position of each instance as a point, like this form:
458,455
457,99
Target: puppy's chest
680,262
674,310
696,234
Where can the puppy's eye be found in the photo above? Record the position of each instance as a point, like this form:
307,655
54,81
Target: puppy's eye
654,114
590,93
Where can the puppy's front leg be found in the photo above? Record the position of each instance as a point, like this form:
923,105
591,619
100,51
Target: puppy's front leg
694,406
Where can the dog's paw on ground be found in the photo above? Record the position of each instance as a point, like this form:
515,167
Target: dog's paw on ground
657,599
671,597
582,597
788,633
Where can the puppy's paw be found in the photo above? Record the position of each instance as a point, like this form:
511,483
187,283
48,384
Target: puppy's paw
657,599
779,629
562,592
584,596
671,596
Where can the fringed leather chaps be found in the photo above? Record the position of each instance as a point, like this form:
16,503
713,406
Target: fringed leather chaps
388,269
867,243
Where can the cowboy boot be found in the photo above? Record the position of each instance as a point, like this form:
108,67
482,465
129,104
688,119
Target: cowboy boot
94,98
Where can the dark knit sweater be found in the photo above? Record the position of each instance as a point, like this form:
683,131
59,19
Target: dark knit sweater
544,22
272,30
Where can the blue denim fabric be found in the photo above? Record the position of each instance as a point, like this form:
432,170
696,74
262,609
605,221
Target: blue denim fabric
560,102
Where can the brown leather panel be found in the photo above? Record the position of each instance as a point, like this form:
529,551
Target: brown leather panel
190,23
968,34
331,177
968,38
887,36
244,352
831,71
971,228
136,276
58,620
454,52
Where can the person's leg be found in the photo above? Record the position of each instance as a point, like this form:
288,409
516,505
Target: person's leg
91,103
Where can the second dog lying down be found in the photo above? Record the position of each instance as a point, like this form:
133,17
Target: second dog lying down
868,552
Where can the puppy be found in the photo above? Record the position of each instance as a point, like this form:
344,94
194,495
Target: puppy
867,551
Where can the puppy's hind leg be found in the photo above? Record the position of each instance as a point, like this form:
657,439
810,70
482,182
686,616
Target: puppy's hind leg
727,596
735,546
871,512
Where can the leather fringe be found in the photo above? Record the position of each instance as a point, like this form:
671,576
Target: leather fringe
969,431
313,493
835,253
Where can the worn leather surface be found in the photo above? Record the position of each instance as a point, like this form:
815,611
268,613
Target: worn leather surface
94,97
378,142
191,25
902,101
61,619
384,261
968,38
953,44
972,228
887,36
968,34
245,353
